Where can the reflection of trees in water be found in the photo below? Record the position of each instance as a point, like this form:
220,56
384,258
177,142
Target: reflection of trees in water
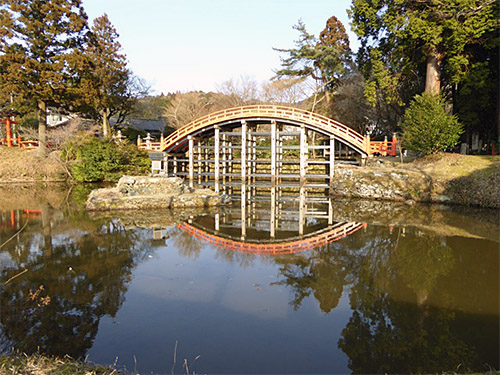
387,336
322,272
187,246
85,274
243,259
391,279
190,247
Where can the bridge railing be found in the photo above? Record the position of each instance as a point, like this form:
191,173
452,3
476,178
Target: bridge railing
318,121
334,234
384,147
148,145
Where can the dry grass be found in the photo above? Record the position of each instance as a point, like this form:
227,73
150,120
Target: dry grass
451,166
17,165
466,179
36,364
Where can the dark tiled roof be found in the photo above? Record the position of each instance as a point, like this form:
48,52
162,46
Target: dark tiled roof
147,125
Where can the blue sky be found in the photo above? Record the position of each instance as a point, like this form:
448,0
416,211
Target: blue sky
196,44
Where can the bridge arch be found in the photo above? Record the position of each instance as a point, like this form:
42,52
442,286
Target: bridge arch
232,117
289,246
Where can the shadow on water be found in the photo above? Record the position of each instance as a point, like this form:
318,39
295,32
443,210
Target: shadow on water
421,283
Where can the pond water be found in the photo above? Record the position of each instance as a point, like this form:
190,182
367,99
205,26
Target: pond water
345,286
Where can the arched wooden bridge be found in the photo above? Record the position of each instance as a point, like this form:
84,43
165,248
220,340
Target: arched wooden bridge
272,143
265,113
295,245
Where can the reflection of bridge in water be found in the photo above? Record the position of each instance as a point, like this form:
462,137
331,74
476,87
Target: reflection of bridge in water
264,227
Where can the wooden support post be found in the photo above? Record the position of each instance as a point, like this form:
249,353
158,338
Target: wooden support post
273,153
8,132
224,162
272,223
243,171
280,167
303,155
175,165
243,219
207,165
199,162
303,170
191,161
230,167
254,166
332,163
302,209
216,158
330,211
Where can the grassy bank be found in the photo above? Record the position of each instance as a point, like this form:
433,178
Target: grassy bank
465,179
460,179
36,364
19,166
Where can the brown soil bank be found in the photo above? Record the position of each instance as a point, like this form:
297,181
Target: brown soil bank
22,166
445,178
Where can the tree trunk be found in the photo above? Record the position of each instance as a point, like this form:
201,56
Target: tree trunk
42,128
498,116
433,73
328,97
106,129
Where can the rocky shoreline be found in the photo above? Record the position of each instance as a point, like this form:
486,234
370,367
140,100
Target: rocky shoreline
143,192
447,178
412,185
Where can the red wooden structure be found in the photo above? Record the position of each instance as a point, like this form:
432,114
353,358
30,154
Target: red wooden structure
275,248
8,121
9,141
383,148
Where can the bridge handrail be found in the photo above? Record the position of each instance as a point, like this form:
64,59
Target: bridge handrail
332,235
280,112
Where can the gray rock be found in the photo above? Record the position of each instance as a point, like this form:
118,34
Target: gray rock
139,192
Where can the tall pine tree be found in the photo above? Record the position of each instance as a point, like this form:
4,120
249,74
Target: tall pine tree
40,52
323,59
108,91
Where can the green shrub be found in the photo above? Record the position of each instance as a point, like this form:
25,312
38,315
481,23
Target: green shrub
427,128
131,134
93,160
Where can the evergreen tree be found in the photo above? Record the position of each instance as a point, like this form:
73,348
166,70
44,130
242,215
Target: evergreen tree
323,59
409,39
40,53
427,128
107,91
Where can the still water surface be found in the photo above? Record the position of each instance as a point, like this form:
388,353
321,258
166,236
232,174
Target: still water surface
365,287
